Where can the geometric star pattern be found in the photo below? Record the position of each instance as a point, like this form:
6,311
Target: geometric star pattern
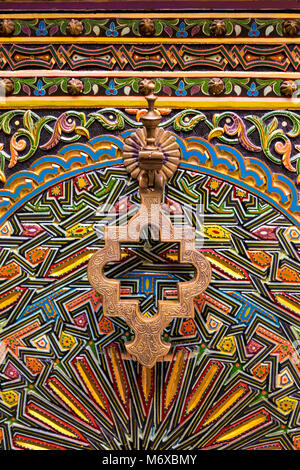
232,378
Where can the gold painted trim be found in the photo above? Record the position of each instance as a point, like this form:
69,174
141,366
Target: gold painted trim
141,40
146,74
137,102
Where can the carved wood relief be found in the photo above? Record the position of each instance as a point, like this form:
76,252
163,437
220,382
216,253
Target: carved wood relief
220,368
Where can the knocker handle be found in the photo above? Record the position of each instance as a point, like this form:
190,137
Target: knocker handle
151,155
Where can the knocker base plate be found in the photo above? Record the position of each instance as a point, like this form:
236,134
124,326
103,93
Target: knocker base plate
147,346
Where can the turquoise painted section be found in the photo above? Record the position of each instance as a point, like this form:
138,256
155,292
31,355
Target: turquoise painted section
111,153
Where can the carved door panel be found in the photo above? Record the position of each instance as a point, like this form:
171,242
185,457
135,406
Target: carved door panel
227,93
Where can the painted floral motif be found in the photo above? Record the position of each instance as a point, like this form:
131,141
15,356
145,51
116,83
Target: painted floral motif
41,30
163,86
111,32
272,135
175,27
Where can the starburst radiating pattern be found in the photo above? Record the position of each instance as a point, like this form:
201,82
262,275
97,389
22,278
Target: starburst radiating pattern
232,378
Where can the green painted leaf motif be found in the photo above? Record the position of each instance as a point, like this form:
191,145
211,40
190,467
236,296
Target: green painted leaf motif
61,23
298,170
132,82
276,87
63,26
160,82
117,124
19,23
206,29
202,82
204,86
272,126
183,121
64,84
269,133
133,24
228,85
193,22
279,28
230,82
159,25
17,85
229,27
39,126
290,116
28,121
6,118
89,82
295,131
18,82
88,24
242,21
275,84
61,82
79,115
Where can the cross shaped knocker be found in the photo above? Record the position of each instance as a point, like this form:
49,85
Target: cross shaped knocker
151,155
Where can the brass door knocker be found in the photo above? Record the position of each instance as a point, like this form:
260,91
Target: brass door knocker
151,155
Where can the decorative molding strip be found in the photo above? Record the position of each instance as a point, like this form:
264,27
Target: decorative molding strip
161,29
158,57
219,159
268,41
153,15
205,103
148,5
272,135
43,85
147,74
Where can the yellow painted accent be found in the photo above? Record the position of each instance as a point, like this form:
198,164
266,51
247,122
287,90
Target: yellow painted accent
68,401
147,73
241,428
222,235
227,345
173,256
118,373
146,381
9,299
67,341
196,397
175,377
225,405
34,445
49,102
225,266
74,232
288,303
247,313
71,264
10,398
88,380
50,422
286,405
147,40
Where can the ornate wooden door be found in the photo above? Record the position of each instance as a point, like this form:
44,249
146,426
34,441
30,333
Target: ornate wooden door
227,87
